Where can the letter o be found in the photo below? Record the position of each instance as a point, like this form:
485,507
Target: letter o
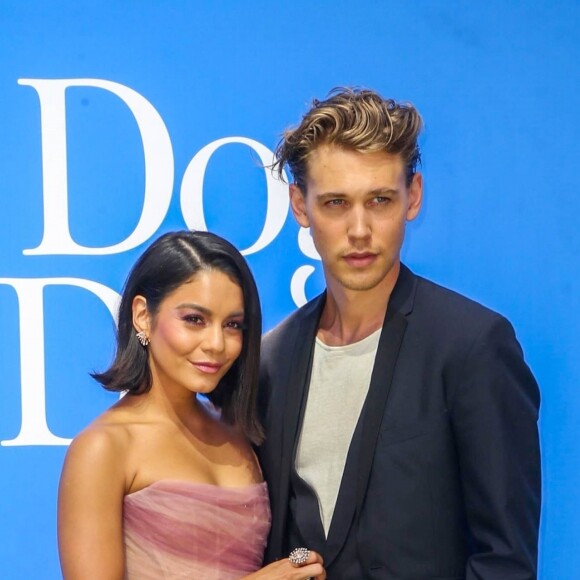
191,194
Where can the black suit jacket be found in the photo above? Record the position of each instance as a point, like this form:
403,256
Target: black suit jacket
442,479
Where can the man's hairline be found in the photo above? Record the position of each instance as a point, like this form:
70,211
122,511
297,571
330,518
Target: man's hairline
304,190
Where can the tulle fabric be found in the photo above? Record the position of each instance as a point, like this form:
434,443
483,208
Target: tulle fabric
176,530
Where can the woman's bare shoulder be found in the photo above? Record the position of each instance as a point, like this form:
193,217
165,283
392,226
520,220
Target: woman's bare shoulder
104,442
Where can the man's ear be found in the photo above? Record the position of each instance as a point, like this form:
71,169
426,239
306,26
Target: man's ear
298,204
415,196
141,318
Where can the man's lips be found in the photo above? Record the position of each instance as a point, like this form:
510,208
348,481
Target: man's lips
207,367
360,259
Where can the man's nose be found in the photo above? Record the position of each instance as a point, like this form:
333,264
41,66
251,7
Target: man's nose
359,226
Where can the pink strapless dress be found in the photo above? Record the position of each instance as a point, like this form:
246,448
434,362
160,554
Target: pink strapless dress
175,530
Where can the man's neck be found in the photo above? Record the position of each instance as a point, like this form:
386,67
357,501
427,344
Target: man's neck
351,315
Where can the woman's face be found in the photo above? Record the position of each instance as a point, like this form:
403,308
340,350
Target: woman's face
196,334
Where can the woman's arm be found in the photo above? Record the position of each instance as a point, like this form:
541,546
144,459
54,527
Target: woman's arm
90,506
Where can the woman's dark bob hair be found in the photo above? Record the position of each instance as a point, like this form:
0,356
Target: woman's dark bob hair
172,260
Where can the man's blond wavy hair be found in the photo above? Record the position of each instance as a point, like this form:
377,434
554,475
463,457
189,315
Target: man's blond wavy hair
354,119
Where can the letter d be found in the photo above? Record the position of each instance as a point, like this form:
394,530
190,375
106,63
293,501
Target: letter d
157,151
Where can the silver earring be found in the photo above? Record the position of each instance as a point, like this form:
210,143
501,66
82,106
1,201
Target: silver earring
143,338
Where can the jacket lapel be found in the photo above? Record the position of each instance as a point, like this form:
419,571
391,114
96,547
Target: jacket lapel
299,367
297,377
362,448
373,411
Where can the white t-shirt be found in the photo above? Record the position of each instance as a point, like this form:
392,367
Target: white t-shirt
339,384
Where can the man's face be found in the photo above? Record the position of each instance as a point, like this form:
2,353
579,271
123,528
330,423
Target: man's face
356,206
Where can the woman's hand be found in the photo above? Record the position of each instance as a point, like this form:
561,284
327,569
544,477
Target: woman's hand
284,570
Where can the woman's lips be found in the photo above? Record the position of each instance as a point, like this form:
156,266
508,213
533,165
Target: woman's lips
207,367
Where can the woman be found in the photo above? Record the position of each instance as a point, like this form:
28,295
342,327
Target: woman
165,484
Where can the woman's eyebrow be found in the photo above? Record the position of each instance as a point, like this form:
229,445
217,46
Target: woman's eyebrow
207,311
194,306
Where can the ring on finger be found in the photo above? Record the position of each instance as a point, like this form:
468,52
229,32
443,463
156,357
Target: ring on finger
299,556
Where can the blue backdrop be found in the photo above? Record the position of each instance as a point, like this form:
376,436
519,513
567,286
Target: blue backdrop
122,120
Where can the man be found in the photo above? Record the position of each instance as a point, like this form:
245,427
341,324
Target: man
400,417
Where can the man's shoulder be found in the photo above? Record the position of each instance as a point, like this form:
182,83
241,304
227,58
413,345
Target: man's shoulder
442,305
430,290
449,325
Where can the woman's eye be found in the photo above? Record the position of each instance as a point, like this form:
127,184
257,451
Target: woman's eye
235,325
194,319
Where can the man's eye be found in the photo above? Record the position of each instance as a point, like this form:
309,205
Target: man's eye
335,202
380,200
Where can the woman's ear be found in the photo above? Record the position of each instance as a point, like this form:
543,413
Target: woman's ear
141,317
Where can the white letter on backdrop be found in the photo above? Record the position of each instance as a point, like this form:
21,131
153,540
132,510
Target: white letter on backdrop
192,192
158,157
34,429
299,278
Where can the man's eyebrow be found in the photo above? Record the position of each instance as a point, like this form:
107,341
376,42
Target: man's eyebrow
373,192
384,191
331,195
